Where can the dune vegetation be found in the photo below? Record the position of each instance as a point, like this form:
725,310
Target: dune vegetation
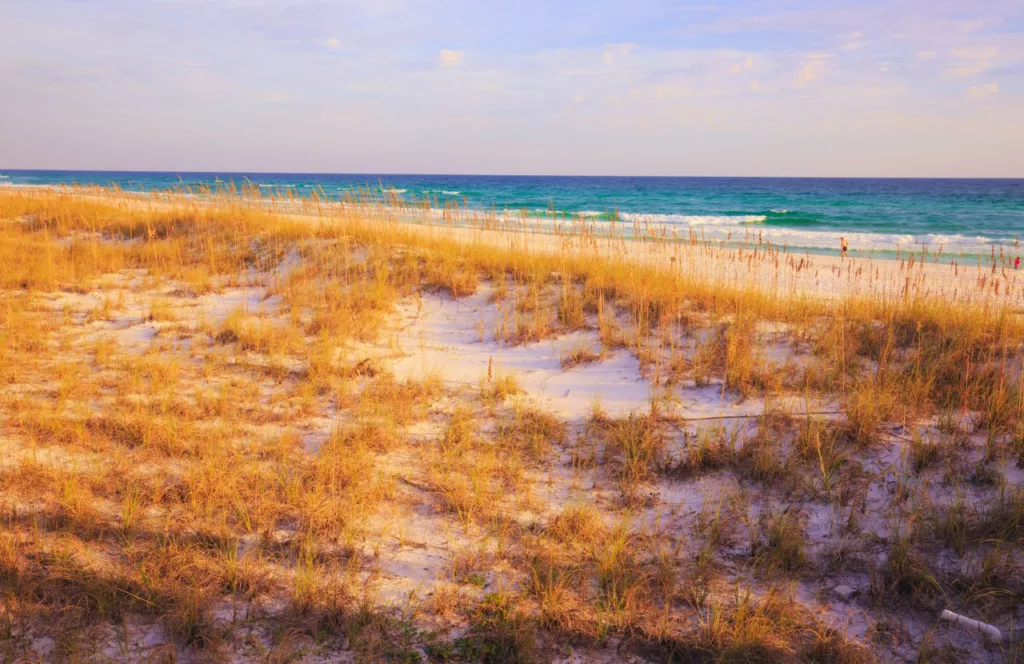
233,428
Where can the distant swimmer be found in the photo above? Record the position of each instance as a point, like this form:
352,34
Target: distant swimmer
844,246
1016,263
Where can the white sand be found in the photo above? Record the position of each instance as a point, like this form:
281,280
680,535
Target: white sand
441,335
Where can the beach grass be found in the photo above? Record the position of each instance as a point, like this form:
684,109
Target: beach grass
209,450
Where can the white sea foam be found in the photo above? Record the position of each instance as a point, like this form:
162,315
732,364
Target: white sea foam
950,244
450,193
738,228
693,219
747,228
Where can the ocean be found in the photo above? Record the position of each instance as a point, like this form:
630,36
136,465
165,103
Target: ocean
877,216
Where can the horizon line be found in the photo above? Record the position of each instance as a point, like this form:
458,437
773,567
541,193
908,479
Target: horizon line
510,175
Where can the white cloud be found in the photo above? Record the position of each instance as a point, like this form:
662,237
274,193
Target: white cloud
449,58
854,41
812,68
740,67
963,70
282,62
982,91
613,52
970,61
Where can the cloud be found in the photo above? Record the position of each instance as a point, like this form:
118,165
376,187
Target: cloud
740,67
855,41
612,52
970,61
965,70
982,91
449,58
507,83
812,68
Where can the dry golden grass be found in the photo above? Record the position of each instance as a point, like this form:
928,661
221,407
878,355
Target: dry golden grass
243,478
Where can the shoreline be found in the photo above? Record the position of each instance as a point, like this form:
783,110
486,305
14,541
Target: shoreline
777,271
734,229
773,271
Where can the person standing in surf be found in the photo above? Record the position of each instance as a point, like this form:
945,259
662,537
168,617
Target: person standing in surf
844,246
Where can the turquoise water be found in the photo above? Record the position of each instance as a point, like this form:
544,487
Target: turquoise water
876,215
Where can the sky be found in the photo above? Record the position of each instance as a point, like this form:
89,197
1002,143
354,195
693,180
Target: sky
898,88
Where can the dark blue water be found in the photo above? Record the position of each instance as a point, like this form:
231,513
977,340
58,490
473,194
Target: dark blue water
879,215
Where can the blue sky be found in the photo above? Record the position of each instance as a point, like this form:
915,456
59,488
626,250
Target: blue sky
772,87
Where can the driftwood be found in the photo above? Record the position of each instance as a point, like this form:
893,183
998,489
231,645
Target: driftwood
752,416
991,631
